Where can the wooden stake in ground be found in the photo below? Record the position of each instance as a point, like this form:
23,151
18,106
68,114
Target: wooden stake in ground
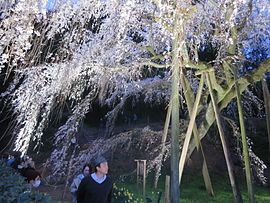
141,174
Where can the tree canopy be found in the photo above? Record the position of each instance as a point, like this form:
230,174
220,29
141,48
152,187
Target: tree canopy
109,51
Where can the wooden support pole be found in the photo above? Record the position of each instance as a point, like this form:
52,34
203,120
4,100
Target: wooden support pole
144,177
167,190
251,195
141,174
138,171
235,188
266,96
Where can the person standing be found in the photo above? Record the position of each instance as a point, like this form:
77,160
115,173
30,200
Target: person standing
76,182
97,188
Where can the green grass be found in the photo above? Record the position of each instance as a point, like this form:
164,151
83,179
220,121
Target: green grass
192,190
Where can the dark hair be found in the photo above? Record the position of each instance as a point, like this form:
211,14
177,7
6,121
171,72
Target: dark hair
4,156
30,174
87,165
96,167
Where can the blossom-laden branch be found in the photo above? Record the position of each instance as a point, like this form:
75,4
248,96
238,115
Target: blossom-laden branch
60,57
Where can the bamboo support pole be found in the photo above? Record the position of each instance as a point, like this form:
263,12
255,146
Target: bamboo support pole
235,188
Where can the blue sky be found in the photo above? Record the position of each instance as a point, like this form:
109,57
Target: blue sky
51,3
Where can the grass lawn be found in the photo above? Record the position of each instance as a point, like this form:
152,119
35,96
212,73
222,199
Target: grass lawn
192,190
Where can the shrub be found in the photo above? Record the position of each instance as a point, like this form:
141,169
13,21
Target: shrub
13,188
122,195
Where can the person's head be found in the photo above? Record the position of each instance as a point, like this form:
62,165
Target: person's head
33,177
86,170
101,165
4,156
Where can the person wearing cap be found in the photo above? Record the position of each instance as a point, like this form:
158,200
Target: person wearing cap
97,188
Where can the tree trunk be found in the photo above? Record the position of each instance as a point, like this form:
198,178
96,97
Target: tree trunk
175,116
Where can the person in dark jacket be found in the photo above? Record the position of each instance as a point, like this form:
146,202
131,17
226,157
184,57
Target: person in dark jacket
97,188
